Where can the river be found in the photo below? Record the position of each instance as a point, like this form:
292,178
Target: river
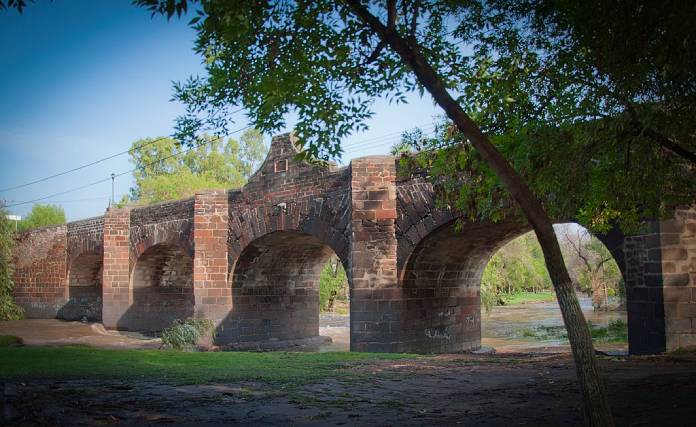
502,329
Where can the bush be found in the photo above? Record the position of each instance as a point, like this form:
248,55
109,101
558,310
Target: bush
9,310
186,334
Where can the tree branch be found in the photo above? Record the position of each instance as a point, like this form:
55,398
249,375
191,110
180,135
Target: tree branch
669,144
414,18
391,15
578,251
375,53
592,387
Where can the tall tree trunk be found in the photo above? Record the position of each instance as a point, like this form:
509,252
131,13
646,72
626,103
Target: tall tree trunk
596,403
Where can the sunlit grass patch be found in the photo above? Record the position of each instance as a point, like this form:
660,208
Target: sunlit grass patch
179,367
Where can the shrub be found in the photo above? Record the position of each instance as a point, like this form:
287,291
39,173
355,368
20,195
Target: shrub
185,334
9,310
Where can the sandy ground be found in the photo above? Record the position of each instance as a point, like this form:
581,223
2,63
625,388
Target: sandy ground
536,387
499,390
59,332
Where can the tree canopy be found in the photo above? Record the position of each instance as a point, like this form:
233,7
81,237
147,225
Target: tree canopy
42,216
161,174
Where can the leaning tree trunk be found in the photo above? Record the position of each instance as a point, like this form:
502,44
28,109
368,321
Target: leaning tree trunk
596,404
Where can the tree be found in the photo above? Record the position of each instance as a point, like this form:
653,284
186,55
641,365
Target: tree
595,269
327,61
516,267
9,310
615,94
162,174
42,216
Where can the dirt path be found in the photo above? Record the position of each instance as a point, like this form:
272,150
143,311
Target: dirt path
500,390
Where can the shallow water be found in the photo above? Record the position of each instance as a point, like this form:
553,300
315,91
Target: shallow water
502,328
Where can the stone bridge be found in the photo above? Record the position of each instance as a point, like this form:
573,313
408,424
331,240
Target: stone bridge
250,260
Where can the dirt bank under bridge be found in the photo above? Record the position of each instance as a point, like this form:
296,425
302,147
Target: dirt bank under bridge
498,390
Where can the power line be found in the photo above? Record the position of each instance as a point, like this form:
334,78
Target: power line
86,165
374,141
126,172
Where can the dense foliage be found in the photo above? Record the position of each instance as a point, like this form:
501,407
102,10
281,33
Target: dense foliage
162,174
517,267
597,112
9,310
42,216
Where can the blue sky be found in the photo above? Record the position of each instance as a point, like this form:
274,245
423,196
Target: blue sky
82,80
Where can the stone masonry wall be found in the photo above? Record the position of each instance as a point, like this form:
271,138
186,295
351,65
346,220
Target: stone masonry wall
291,203
644,298
85,237
375,299
162,289
117,295
678,259
213,296
40,260
167,222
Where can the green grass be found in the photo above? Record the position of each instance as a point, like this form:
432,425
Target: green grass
179,367
9,340
615,333
529,297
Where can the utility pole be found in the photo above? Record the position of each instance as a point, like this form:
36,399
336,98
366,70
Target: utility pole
113,177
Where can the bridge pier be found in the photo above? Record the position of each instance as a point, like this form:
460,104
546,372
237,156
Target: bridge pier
375,298
212,294
117,296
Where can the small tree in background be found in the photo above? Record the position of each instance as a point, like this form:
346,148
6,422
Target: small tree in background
592,265
9,310
42,216
333,285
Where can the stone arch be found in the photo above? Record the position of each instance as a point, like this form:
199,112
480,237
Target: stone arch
162,288
275,288
440,282
84,283
326,219
144,238
441,276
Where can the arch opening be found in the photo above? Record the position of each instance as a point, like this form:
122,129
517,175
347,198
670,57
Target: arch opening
440,280
519,307
162,285
276,289
84,289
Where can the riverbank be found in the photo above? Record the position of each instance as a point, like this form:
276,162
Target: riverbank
339,389
529,297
